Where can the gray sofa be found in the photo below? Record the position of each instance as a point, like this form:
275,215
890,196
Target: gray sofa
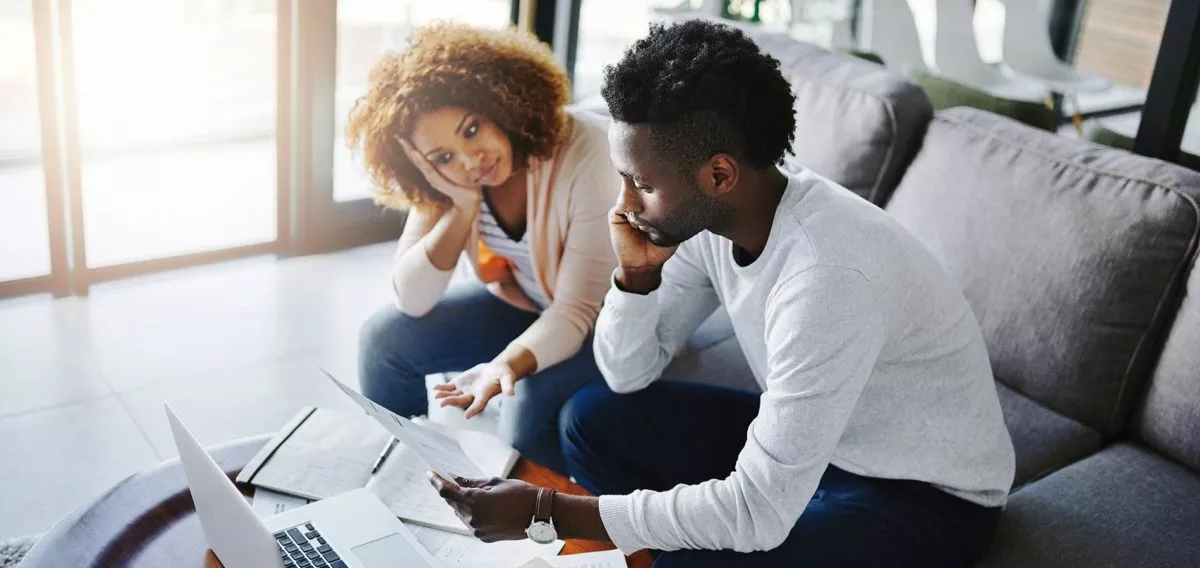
1077,260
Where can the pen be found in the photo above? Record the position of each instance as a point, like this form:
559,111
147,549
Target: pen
383,454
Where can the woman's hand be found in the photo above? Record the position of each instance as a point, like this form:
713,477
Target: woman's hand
473,389
465,198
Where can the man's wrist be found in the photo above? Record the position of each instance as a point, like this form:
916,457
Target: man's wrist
578,517
638,280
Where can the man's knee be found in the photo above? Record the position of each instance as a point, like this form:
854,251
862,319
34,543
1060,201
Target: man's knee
689,559
592,406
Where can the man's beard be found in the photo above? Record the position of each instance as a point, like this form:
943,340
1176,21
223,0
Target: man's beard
662,239
688,220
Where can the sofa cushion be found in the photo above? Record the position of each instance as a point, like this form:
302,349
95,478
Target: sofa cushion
1043,439
1124,507
1170,417
1072,255
857,123
720,364
712,331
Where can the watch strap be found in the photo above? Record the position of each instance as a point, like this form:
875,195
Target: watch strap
545,502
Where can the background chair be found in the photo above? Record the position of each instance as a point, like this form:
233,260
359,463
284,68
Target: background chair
1027,50
956,56
887,29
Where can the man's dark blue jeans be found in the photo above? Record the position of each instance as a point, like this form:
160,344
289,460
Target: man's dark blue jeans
672,433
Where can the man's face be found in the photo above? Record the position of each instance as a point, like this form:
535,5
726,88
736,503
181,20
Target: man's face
668,205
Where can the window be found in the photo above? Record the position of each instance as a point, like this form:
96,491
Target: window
606,28
1119,38
988,22
176,125
24,236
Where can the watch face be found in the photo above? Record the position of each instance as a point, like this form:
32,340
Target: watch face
541,532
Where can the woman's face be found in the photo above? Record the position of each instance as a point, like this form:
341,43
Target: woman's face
467,148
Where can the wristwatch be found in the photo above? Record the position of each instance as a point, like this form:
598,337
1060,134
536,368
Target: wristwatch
541,530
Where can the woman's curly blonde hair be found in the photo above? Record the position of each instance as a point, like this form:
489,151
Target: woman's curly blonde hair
507,76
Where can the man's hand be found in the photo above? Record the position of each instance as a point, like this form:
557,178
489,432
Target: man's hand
474,388
465,199
639,260
634,250
495,509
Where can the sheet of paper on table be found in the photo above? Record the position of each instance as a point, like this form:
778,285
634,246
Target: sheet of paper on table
267,503
457,549
453,548
536,563
606,559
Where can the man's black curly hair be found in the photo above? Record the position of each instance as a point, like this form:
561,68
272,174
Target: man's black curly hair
707,89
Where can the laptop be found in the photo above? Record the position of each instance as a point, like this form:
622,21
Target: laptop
351,530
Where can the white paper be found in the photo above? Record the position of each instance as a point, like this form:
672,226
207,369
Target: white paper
402,485
457,549
267,503
494,457
606,559
439,451
536,563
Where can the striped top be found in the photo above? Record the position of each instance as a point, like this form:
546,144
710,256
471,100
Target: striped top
515,248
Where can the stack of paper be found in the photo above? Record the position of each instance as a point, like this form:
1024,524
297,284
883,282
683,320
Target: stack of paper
407,492
321,453
402,485
455,549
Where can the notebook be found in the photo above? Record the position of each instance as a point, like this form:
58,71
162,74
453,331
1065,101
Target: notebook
322,452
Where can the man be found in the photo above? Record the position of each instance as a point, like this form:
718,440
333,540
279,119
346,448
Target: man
878,439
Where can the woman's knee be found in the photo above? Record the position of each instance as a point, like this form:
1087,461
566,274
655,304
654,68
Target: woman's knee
524,436
384,333
532,416
523,417
384,342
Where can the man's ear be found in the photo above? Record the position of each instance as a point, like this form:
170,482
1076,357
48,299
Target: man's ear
723,172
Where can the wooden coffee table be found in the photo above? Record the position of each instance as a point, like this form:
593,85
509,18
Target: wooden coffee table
148,519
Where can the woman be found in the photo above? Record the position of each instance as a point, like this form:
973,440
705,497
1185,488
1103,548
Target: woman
466,128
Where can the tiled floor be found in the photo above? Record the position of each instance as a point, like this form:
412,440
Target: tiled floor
233,347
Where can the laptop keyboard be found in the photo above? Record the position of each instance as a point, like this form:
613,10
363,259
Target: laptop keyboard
303,547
